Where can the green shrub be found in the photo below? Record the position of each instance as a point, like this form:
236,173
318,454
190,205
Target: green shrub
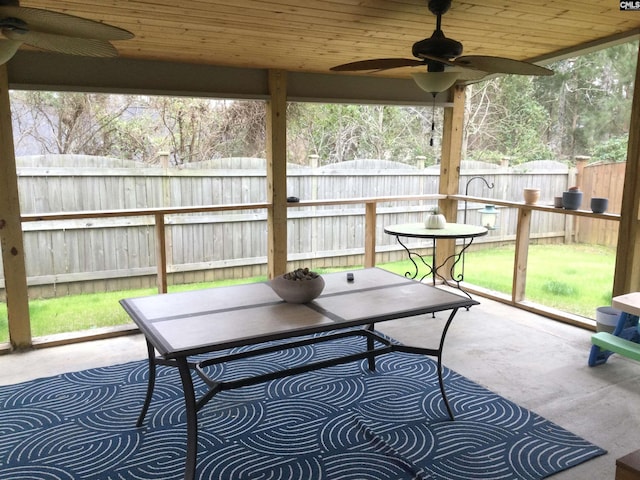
612,150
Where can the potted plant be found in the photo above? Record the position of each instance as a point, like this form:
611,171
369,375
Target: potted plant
435,220
531,195
572,198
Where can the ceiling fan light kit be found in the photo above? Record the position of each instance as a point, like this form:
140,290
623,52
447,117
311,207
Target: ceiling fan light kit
435,82
53,31
8,49
443,61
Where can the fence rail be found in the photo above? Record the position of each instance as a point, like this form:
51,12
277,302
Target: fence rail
522,240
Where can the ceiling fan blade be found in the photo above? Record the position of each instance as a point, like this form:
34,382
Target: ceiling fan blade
467,74
500,65
63,44
377,64
56,23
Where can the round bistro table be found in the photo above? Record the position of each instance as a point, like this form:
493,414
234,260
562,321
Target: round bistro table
450,231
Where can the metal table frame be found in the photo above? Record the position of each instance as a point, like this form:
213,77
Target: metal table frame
452,231
332,312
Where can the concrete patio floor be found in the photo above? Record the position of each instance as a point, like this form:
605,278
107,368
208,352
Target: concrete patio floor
536,362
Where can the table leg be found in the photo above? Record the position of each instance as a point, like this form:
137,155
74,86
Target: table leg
371,358
412,257
434,353
457,258
433,269
440,348
434,265
442,390
192,418
150,384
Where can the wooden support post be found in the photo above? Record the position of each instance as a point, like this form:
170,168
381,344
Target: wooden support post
161,253
450,170
523,230
277,173
11,241
627,271
370,235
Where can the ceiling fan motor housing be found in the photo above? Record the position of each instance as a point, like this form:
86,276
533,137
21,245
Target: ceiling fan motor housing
437,46
439,7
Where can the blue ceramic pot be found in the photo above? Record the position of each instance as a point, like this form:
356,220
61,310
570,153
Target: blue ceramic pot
599,204
571,200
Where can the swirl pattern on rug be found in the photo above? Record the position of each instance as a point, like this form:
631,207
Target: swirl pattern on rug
343,422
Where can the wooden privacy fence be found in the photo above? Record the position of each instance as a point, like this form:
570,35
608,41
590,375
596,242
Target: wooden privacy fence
113,251
601,180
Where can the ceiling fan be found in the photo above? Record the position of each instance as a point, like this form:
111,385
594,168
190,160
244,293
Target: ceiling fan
57,32
442,57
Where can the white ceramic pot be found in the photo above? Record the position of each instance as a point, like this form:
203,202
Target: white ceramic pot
435,221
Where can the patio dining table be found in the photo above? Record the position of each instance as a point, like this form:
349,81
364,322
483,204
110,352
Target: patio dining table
181,326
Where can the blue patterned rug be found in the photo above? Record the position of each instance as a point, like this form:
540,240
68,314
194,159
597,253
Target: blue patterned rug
339,423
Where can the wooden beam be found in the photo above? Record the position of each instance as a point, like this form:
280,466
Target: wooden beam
34,70
523,233
11,241
450,169
588,47
452,146
277,173
627,271
161,253
370,235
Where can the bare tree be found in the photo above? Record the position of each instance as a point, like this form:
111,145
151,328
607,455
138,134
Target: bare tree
69,122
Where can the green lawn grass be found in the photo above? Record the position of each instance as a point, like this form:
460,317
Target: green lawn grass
92,310
572,278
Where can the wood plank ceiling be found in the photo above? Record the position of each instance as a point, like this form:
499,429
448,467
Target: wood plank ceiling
314,35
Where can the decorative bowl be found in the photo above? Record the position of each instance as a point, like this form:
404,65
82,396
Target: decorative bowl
299,286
